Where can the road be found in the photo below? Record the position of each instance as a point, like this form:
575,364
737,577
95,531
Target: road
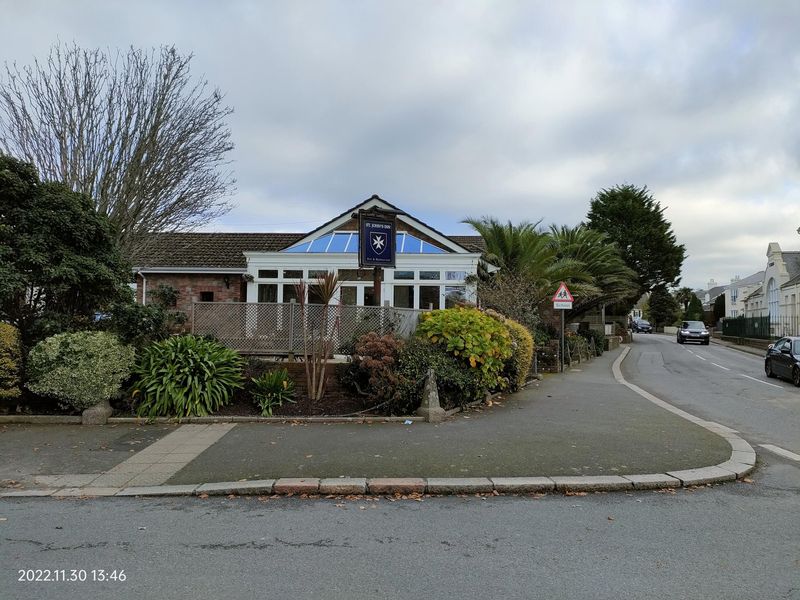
732,541
719,384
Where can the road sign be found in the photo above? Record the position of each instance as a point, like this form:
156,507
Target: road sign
562,300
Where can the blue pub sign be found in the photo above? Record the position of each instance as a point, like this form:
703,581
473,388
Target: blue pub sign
377,241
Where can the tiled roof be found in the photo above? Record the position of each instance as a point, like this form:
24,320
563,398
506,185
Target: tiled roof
226,250
792,262
474,243
208,250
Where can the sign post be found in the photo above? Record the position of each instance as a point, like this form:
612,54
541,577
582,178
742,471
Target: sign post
376,246
562,300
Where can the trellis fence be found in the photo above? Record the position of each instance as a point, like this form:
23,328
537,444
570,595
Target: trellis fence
279,328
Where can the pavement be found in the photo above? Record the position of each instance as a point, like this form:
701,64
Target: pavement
585,429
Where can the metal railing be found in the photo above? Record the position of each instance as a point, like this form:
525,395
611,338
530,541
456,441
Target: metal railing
278,328
761,328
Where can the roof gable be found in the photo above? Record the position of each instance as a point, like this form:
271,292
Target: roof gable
345,220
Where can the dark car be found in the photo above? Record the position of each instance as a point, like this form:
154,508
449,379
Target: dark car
693,331
783,359
642,326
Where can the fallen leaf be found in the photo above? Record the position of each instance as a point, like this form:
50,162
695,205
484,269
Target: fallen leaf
204,496
610,518
747,480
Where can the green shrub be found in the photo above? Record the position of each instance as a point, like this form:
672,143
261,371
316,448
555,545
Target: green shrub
595,336
10,357
79,369
520,364
373,368
458,384
478,339
140,325
272,389
186,376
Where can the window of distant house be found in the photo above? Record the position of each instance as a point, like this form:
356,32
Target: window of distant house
292,274
268,273
206,296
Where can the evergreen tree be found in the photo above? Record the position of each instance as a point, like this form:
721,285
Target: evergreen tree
635,221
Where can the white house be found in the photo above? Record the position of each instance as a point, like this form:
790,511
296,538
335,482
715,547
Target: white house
778,296
738,290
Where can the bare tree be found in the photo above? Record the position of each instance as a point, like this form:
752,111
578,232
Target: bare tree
130,129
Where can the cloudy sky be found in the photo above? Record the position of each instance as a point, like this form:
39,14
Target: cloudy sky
519,110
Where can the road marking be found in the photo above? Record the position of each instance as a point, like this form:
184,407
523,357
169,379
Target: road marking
759,381
720,366
781,452
689,351
700,357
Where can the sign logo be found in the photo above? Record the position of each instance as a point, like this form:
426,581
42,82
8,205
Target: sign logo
378,242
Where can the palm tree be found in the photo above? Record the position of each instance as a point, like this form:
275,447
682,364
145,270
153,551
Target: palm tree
525,252
611,279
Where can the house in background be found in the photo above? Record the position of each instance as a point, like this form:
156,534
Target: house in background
778,295
738,290
432,269
708,296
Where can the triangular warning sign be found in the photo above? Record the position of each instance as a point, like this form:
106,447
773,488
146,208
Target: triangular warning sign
563,295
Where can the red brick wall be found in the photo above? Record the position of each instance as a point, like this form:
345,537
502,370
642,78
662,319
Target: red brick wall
334,390
189,287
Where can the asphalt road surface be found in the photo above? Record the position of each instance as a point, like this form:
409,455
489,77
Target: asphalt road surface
719,384
735,541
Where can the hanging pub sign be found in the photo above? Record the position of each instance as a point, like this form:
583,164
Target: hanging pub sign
376,245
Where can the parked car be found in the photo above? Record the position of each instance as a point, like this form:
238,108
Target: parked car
642,326
783,359
693,331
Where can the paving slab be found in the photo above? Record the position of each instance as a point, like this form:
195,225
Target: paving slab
158,490
523,485
343,485
737,468
81,492
26,493
396,485
653,481
703,476
225,488
466,485
592,484
295,485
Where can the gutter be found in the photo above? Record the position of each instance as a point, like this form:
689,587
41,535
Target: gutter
144,287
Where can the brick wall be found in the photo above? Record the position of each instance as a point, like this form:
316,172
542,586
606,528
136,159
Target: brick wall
189,287
333,391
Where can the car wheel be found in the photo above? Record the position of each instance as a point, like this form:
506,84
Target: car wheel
768,368
706,343
796,376
680,341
